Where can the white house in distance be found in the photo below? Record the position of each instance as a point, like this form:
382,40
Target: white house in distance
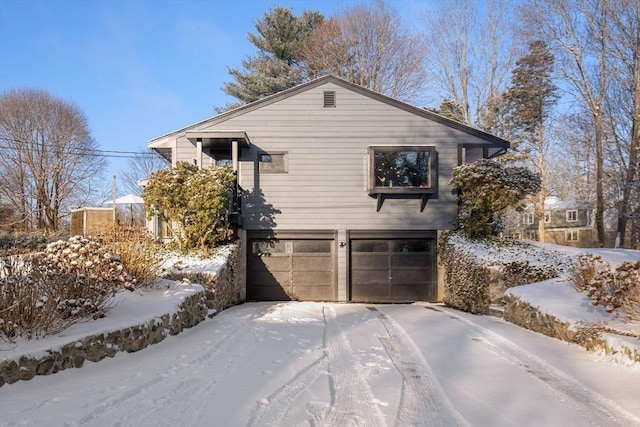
342,191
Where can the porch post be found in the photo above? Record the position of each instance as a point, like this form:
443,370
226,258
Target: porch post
234,155
199,152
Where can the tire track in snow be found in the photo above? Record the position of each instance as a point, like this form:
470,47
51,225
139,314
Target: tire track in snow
350,392
589,404
422,401
151,397
273,411
348,388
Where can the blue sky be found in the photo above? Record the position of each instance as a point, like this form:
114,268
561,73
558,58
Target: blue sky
138,68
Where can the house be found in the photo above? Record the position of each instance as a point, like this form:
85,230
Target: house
567,223
342,191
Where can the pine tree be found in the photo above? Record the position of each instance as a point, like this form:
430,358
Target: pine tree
276,65
526,105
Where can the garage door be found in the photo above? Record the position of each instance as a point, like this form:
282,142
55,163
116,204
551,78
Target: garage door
393,270
291,269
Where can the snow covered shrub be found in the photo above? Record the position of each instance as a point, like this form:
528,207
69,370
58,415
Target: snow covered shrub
138,251
466,280
45,292
486,188
617,290
518,273
22,242
197,200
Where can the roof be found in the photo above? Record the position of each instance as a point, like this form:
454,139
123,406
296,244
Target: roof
492,139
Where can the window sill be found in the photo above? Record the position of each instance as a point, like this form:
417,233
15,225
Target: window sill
401,190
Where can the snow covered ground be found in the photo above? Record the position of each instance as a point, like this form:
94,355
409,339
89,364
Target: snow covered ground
313,364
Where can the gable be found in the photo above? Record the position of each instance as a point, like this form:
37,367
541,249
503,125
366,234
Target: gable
307,103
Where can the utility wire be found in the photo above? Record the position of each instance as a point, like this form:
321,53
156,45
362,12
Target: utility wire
91,152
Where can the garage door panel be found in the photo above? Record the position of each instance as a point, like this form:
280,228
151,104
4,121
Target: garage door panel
369,261
371,293
312,278
408,292
312,293
411,262
270,263
268,293
269,277
312,263
408,276
370,277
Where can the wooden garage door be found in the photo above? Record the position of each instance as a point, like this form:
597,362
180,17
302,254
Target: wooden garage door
393,270
293,269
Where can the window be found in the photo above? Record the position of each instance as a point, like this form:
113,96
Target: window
273,162
223,160
547,217
402,169
329,99
572,215
572,235
527,218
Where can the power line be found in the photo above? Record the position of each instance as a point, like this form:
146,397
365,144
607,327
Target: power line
92,152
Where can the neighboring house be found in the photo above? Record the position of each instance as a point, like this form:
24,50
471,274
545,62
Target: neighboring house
342,191
567,223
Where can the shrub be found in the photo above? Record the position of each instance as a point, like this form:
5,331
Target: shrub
45,292
196,200
485,189
138,251
617,290
22,242
518,273
466,279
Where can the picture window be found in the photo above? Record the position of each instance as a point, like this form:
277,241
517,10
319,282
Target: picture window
402,169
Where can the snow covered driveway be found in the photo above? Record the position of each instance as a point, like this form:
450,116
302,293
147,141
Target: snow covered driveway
315,364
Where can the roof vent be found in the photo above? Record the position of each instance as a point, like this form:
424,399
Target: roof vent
329,98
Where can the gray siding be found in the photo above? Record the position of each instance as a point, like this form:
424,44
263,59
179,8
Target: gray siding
326,183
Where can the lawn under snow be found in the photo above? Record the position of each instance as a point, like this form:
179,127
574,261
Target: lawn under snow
297,363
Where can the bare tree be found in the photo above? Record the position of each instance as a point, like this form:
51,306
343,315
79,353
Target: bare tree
48,160
622,112
570,163
596,43
578,32
470,54
141,166
371,46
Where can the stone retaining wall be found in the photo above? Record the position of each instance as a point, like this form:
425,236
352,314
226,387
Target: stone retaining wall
191,311
525,315
222,290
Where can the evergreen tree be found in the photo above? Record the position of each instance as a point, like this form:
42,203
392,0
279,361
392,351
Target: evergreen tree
275,66
449,109
526,106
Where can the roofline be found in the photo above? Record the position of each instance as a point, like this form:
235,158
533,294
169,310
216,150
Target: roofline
329,78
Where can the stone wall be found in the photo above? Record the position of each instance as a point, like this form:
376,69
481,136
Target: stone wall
191,311
525,315
222,290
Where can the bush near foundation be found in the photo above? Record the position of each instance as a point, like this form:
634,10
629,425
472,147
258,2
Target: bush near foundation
473,267
45,292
